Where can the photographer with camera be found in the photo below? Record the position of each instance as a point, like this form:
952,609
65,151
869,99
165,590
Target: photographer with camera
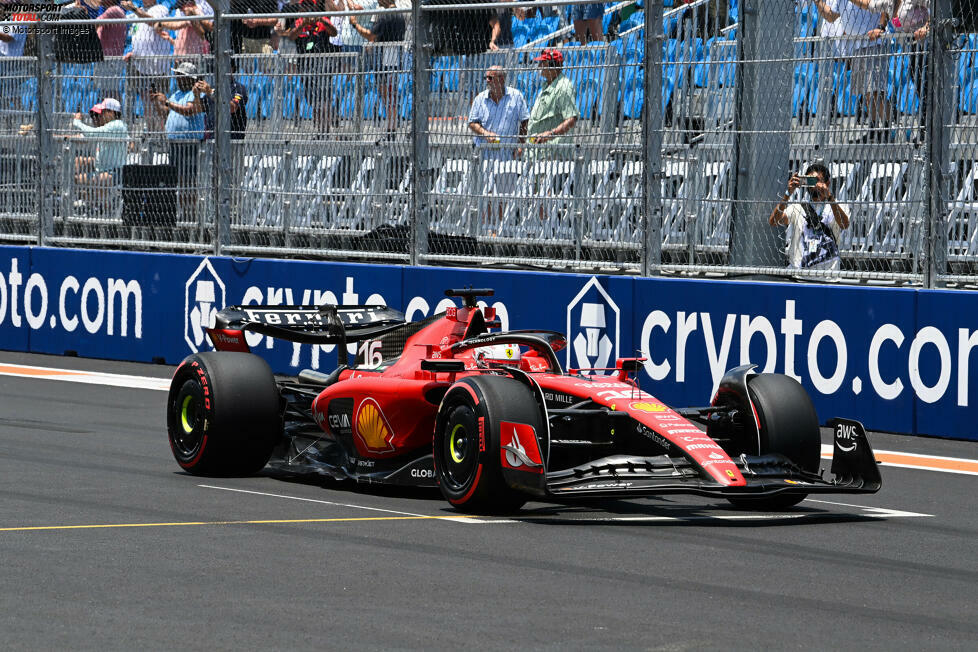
184,131
814,226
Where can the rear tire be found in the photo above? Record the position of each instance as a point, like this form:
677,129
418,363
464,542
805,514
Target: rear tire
223,414
789,427
467,456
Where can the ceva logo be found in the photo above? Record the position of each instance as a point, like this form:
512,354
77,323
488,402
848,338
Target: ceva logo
593,328
203,296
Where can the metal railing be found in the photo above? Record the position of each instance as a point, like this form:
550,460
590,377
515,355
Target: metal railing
367,153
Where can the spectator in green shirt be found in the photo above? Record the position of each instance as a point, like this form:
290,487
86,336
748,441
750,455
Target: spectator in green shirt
555,111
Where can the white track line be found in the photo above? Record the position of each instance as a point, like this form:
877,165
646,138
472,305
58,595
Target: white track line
334,504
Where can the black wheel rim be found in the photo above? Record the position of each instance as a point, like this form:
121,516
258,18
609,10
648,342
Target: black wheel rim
461,450
186,433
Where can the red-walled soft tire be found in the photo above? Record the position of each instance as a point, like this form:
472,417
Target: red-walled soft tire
466,455
222,414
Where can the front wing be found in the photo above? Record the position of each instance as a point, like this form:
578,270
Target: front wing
854,470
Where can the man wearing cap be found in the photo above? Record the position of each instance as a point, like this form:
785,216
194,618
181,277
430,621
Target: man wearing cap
555,111
184,130
111,137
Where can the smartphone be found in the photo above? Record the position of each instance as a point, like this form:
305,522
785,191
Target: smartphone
809,181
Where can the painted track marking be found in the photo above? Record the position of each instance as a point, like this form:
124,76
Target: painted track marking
898,459
917,461
86,377
461,519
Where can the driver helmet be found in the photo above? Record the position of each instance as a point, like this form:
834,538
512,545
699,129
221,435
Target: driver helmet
498,353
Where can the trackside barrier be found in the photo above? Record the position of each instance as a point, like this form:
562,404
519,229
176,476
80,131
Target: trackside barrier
898,359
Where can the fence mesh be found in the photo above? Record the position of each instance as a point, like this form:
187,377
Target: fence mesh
504,135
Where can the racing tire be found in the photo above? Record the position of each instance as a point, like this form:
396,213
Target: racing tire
789,427
467,456
222,414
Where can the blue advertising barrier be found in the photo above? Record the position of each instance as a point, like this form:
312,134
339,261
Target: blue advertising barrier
898,359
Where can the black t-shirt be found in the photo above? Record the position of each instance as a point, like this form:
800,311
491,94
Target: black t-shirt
241,31
389,27
239,119
76,43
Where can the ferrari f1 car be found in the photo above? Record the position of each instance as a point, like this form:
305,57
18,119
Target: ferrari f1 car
491,417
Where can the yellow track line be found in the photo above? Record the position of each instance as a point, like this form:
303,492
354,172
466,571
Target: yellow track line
97,526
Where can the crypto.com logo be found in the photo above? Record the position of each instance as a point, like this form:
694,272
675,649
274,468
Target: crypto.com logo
203,296
593,329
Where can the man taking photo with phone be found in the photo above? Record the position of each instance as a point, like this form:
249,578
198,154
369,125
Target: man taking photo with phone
814,225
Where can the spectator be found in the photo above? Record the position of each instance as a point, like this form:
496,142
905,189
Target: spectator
312,37
109,72
501,29
388,28
104,170
151,44
706,20
587,22
193,37
12,39
238,98
252,35
555,111
12,73
814,226
353,40
184,131
866,57
907,17
499,115
76,43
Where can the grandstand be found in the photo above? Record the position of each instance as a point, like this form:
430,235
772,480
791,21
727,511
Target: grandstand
347,193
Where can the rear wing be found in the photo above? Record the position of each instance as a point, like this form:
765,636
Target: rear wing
326,324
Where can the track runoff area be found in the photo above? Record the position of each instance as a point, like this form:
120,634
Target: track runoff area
95,510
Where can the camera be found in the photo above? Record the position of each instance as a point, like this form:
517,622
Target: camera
808,181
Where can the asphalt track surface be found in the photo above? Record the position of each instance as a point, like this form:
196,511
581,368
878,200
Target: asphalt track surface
106,544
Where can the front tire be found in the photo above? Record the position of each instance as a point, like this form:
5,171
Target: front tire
223,414
789,427
466,443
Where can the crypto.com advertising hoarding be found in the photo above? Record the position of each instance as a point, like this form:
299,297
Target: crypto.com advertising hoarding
897,359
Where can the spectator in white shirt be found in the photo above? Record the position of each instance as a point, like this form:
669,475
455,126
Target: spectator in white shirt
148,60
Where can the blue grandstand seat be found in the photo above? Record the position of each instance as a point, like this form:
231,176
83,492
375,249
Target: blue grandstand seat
969,98
846,102
636,19
907,100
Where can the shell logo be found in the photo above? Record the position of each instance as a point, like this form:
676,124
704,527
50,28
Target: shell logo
645,406
372,427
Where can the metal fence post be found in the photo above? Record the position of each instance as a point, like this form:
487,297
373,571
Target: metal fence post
762,130
421,170
652,142
940,106
222,164
46,179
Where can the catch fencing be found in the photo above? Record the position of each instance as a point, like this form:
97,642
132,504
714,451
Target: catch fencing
371,150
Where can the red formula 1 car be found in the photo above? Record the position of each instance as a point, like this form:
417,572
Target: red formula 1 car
491,418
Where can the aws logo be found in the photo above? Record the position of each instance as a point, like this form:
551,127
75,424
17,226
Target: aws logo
372,427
